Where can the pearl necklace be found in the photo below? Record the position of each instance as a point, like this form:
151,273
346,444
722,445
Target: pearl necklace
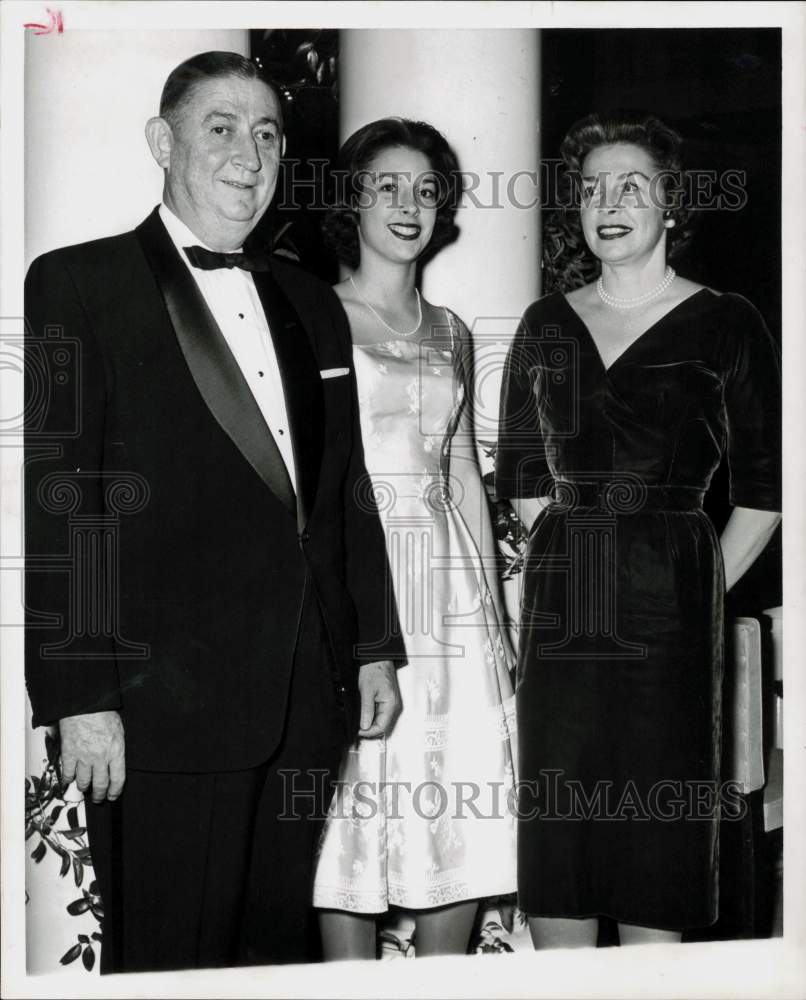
639,300
377,315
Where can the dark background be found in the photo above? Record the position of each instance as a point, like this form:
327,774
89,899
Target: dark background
721,89
304,64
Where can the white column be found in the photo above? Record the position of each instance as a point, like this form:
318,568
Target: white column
481,89
88,95
88,173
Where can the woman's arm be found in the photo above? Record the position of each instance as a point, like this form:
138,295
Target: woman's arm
522,472
744,538
464,468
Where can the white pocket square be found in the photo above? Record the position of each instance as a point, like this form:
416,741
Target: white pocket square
334,372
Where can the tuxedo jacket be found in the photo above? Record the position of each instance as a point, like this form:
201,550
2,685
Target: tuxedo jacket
167,560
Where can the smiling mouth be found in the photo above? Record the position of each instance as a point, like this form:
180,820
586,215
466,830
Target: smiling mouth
238,185
612,232
405,230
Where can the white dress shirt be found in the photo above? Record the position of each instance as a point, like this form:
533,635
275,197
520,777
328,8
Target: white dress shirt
232,298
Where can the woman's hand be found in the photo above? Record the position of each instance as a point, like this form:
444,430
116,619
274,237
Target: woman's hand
745,536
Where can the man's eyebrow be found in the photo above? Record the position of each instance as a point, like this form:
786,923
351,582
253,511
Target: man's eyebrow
220,114
231,116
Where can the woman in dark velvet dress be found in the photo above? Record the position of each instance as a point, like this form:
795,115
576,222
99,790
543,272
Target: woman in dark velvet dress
618,403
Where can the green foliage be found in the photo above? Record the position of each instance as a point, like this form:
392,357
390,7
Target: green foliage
490,939
509,530
84,948
398,946
567,262
45,807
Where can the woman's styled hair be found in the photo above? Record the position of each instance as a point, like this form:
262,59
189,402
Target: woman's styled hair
340,225
661,142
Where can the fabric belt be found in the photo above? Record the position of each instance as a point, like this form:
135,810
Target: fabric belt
627,495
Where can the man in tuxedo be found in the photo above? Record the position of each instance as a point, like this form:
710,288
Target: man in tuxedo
228,627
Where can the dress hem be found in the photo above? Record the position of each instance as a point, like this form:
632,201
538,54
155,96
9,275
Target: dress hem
633,922
337,901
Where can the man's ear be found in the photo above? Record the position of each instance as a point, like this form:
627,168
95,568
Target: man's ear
160,139
282,148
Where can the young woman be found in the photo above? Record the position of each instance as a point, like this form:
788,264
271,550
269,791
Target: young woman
421,821
618,403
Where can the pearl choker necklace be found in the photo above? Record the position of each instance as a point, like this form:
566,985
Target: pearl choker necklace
377,315
640,300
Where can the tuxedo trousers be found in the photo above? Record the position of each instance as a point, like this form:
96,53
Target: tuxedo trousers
216,869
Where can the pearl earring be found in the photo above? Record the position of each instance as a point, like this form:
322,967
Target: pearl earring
669,223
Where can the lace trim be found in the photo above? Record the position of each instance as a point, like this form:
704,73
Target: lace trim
333,898
353,901
438,895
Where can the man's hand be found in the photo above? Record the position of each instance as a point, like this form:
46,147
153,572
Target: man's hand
93,752
380,698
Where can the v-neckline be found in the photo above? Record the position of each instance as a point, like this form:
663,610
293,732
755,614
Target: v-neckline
607,369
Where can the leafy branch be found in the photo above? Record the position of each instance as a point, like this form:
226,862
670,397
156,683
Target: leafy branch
567,262
509,530
84,948
490,939
45,807
387,941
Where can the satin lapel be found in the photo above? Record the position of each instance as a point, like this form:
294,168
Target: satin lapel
302,384
214,369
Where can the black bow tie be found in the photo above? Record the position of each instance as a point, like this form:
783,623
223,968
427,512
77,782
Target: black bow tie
211,260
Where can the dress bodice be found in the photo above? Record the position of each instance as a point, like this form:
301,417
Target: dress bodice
408,395
701,382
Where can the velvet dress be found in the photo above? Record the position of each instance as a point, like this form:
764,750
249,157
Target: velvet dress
621,647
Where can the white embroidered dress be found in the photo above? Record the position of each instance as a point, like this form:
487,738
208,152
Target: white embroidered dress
425,817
